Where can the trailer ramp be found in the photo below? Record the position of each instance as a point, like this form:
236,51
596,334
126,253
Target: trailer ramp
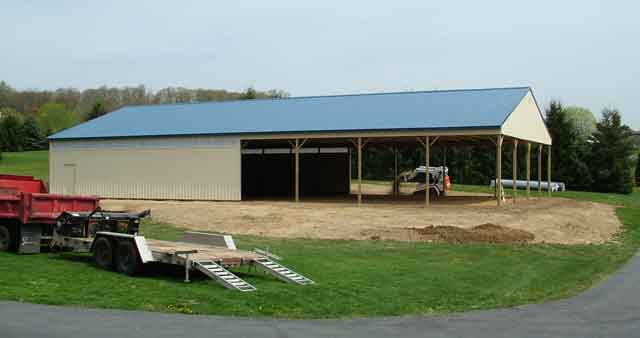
223,276
280,272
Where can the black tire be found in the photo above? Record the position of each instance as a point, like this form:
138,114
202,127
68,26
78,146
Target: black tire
6,238
127,259
433,194
103,253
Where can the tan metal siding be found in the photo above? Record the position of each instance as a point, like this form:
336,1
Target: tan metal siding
182,168
526,123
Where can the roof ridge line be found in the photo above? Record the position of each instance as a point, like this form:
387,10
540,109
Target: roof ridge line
326,96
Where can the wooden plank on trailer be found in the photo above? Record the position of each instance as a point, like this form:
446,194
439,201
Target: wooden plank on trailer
168,252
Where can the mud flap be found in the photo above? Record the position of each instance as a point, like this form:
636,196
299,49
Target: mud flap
30,238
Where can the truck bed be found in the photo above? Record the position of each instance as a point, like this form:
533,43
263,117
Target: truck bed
25,199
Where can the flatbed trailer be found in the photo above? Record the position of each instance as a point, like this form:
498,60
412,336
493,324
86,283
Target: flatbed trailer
211,254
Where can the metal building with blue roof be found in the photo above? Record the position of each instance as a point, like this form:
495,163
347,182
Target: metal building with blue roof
202,151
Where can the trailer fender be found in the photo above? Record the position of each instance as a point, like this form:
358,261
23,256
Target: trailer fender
143,249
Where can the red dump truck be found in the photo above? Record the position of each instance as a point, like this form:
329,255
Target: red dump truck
28,212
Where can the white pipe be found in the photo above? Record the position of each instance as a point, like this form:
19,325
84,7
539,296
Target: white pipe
522,184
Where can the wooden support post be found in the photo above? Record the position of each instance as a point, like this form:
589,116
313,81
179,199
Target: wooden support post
539,168
396,182
444,158
499,169
427,146
297,173
515,170
359,170
528,169
549,170
350,169
444,165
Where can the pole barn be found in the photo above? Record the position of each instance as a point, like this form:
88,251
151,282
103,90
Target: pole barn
291,147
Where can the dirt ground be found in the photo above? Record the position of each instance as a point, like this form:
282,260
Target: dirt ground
460,217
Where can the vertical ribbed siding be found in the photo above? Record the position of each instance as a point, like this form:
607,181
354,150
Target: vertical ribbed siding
151,191
183,169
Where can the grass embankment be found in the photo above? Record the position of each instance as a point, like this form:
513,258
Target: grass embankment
29,163
355,278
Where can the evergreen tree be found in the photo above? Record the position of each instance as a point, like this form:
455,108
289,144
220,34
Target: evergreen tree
569,153
612,154
11,132
638,170
33,137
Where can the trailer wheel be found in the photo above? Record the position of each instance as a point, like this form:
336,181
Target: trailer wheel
103,253
127,259
6,238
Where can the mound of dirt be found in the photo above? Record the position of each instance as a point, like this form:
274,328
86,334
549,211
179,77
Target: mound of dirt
484,233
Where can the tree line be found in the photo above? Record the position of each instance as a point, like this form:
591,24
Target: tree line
27,117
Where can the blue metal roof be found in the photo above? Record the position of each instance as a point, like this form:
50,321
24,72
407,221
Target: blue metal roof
471,108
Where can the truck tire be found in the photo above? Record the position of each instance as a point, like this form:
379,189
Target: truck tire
103,253
6,238
127,259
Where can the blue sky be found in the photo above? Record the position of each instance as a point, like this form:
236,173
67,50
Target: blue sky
581,52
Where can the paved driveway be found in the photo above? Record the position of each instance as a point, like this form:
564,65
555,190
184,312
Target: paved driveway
611,309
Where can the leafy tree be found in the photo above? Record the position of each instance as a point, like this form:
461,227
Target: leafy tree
582,120
11,132
33,137
612,151
569,153
53,117
97,110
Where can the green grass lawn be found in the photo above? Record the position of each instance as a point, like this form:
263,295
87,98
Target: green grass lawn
354,278
30,163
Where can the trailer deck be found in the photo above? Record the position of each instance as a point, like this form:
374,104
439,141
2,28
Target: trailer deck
174,253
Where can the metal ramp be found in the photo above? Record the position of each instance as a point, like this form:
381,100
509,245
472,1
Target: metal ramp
223,276
282,273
